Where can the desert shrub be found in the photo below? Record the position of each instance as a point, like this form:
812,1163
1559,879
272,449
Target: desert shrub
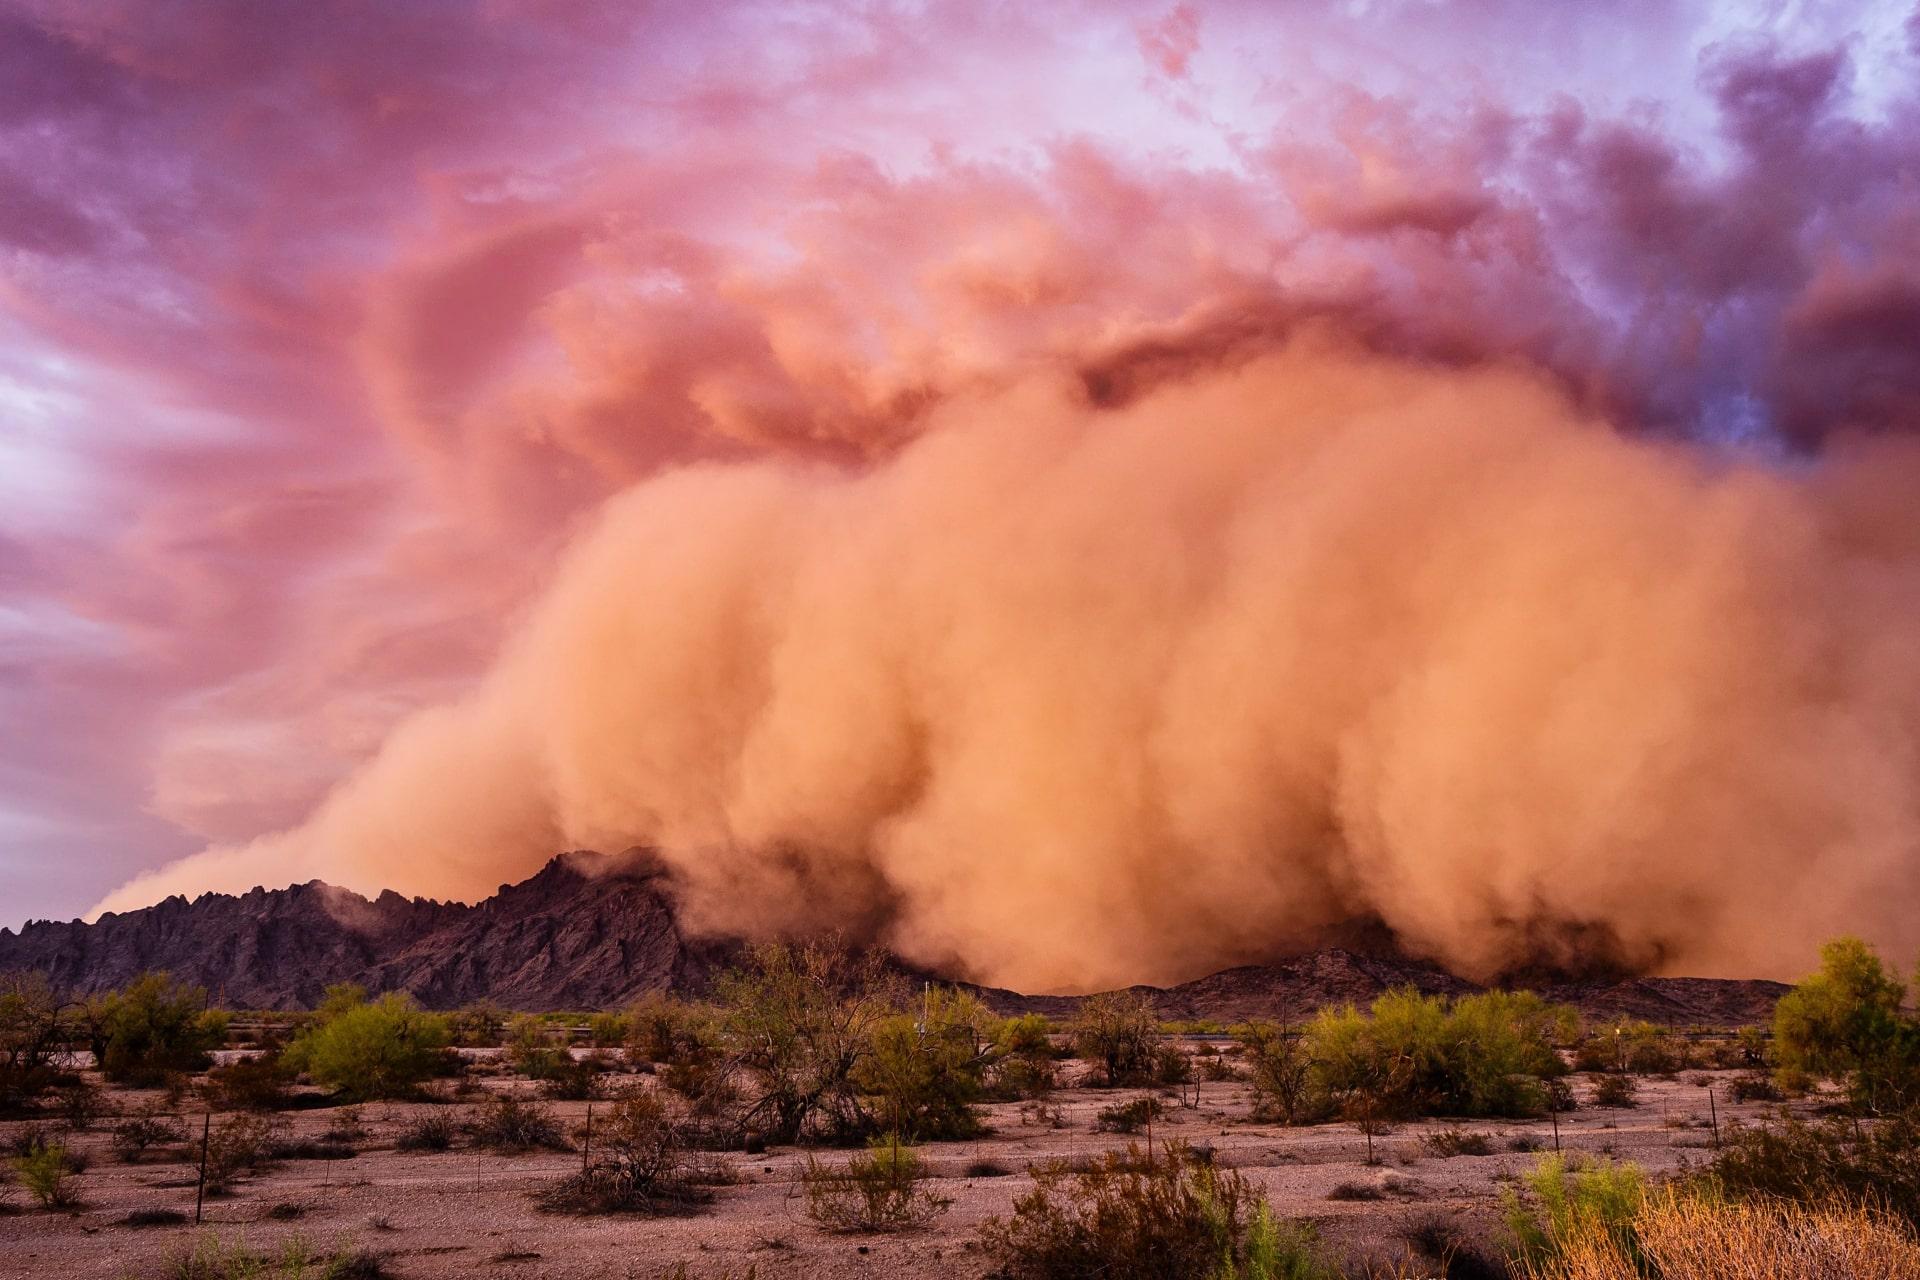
153,1026
508,1124
1127,1218
638,1164
362,1049
799,1022
1753,1088
1449,1142
1557,1094
210,1258
1638,1047
145,1128
309,1149
608,1030
1045,1115
1675,1235
478,1025
257,1083
1615,1091
1845,1023
47,1175
1572,1200
1836,1159
348,1125
154,1218
661,1028
1357,1191
1023,1058
80,1104
1483,1055
1119,1034
986,1168
238,1145
881,1189
1281,1071
571,1079
34,1030
431,1130
532,1049
1171,1065
926,1072
1127,1117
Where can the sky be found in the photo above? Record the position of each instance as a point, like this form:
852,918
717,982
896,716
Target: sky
324,328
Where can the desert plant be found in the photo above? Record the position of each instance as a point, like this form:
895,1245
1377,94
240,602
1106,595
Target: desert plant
507,1124
1615,1092
1022,1065
295,1258
145,1128
1571,1200
48,1177
1837,1159
428,1130
609,1030
1845,1023
478,1025
1127,1117
638,1164
153,1026
35,1025
799,1022
1449,1142
257,1083
1281,1071
1119,1033
348,1125
80,1104
926,1071
1127,1218
881,1189
238,1144
384,1048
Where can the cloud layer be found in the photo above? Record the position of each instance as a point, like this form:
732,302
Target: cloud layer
332,328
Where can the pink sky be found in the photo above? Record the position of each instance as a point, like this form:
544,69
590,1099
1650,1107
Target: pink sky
322,326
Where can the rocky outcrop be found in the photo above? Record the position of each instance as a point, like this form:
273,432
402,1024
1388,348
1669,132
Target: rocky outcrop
587,931
594,932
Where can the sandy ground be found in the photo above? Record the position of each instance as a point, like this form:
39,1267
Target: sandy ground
462,1214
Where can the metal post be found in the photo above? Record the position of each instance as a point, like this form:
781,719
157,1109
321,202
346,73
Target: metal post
1555,1117
586,1146
1714,1111
200,1191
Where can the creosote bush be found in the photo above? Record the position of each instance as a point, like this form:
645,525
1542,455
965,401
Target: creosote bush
639,1163
1119,1033
145,1128
1125,1217
385,1048
881,1189
506,1124
46,1174
1127,1117
1615,1092
430,1130
1837,1159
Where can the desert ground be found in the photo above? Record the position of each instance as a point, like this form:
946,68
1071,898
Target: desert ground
466,1213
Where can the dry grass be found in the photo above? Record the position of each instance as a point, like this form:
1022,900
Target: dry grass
1687,1238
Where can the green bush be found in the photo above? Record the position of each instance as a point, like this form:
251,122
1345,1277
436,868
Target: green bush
608,1030
381,1049
1570,1198
1615,1091
1130,1218
1845,1023
48,1177
881,1189
1023,1057
208,1258
1836,1159
153,1027
1280,1069
925,1072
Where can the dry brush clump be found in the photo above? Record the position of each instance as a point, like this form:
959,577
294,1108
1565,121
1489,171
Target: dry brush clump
881,1189
1674,1235
146,1128
1129,1216
506,1124
639,1161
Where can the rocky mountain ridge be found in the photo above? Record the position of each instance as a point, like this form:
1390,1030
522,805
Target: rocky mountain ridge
591,931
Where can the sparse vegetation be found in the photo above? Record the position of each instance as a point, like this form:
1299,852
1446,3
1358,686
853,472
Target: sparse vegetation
1119,1034
1449,1142
639,1164
881,1189
210,1258
146,1128
1617,1092
507,1124
1838,1159
47,1175
34,1029
1127,1117
429,1130
1126,1218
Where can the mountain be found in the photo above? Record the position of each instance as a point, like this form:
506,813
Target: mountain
587,931
590,931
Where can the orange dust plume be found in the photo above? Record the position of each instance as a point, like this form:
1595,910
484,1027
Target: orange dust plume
1068,693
